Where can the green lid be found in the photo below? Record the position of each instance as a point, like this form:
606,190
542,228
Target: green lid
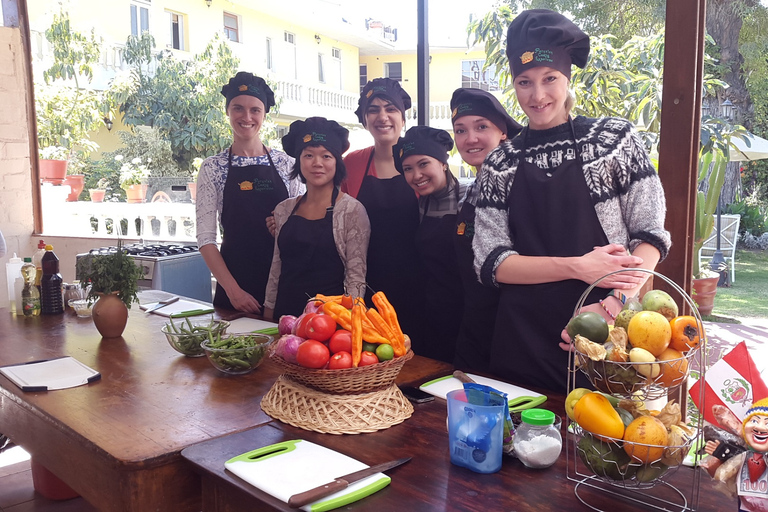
538,417
27,260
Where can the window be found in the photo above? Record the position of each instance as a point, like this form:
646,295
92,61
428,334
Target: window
393,70
231,29
334,73
363,76
336,53
320,70
473,76
290,38
139,19
290,55
270,63
175,31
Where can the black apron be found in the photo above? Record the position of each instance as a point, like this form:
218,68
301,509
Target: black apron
250,195
444,293
473,346
310,261
393,262
550,214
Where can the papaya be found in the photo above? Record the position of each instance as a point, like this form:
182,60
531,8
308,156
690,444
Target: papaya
595,414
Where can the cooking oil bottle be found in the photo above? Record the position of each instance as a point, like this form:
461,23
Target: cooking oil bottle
30,295
52,301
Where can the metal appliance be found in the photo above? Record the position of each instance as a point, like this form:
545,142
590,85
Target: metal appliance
174,268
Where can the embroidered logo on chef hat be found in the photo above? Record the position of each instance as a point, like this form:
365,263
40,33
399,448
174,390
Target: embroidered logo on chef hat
526,57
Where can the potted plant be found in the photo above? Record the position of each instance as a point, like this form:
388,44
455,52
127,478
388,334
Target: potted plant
113,280
97,194
133,179
53,164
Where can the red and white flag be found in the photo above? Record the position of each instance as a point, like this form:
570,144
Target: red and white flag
734,381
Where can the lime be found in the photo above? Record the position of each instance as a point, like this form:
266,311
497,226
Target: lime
384,352
369,347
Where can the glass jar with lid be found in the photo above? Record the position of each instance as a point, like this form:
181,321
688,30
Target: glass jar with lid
73,292
538,442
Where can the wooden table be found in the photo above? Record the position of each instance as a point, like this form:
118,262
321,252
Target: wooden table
117,441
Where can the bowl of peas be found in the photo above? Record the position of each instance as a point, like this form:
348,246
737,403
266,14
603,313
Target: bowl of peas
186,334
237,354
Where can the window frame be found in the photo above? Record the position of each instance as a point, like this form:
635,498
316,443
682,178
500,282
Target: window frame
388,70
236,28
182,30
136,9
363,76
320,67
270,61
484,80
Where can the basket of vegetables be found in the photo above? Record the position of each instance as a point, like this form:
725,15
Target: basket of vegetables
648,350
185,336
339,346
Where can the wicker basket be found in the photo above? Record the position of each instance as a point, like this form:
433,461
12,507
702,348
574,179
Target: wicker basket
309,409
364,379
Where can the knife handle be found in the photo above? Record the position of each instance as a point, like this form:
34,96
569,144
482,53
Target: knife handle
306,497
463,377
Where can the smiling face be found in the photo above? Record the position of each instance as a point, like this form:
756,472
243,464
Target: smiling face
542,92
384,120
318,166
475,137
246,115
756,432
424,174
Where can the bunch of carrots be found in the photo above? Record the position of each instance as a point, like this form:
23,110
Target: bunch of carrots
374,325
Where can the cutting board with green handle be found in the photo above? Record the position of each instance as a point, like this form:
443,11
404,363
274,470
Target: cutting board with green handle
284,469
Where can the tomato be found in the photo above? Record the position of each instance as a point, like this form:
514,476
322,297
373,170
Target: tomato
341,340
367,358
301,325
321,327
312,354
339,360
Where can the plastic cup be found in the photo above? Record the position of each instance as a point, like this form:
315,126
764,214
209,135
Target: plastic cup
476,430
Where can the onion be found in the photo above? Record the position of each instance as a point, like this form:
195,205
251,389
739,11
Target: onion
286,347
286,324
312,307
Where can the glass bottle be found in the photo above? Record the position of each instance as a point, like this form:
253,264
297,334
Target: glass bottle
52,301
37,260
537,440
30,295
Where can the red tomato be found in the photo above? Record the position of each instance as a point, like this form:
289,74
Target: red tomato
341,340
312,354
321,327
366,358
301,325
340,360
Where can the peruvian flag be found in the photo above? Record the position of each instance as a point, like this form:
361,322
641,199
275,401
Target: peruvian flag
734,381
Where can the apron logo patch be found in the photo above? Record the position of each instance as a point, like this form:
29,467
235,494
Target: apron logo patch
246,185
460,229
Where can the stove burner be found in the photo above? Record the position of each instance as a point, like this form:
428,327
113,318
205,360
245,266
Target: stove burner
154,250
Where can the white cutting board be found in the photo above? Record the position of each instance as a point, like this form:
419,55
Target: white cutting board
245,324
284,469
442,386
180,306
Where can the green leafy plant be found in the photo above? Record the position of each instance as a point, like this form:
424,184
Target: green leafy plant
133,172
115,272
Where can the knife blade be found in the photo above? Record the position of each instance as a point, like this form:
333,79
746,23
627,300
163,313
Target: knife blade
162,304
341,483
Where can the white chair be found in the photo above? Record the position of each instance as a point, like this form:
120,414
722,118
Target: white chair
729,234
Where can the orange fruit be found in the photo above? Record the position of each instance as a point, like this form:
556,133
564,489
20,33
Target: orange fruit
685,333
649,330
645,439
673,373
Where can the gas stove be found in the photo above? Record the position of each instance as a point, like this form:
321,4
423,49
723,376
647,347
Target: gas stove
174,268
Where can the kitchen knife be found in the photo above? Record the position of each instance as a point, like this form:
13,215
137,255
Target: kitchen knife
340,483
162,304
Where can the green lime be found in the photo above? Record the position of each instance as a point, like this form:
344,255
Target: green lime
384,352
369,347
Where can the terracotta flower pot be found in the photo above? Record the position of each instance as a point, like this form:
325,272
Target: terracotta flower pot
110,315
97,194
136,193
192,186
53,171
77,183
704,291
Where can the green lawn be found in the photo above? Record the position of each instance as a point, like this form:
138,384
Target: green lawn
747,297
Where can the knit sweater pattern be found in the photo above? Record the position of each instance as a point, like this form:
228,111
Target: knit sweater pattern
623,184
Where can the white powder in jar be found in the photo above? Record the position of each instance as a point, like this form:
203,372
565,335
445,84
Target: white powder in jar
539,452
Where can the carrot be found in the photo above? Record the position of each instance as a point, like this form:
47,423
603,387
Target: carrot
357,334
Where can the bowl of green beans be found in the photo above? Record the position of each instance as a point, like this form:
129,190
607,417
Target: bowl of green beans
237,354
186,334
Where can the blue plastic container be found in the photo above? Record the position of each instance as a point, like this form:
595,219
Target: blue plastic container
476,429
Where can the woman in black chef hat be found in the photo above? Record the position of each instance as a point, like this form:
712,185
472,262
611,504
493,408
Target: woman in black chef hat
567,201
239,188
480,123
422,157
322,237
391,204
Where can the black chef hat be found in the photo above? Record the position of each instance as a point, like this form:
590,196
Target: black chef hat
540,37
385,88
422,140
251,85
316,131
477,102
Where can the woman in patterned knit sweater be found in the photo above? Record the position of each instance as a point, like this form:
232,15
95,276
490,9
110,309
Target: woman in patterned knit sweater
564,203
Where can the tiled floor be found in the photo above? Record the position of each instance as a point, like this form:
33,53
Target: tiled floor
17,493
